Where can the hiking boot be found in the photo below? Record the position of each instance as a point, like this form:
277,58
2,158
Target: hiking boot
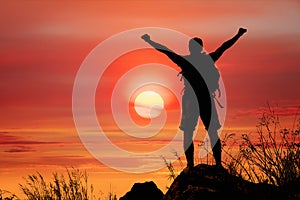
220,169
188,169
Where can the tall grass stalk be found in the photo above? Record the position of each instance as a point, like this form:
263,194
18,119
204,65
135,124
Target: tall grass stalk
273,155
70,186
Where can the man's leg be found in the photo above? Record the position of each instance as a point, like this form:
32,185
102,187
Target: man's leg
217,152
211,122
216,146
189,148
189,120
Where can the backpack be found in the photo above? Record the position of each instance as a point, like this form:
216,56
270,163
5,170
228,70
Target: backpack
204,65
210,73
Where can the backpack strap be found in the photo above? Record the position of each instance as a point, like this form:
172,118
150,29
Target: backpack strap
180,73
214,96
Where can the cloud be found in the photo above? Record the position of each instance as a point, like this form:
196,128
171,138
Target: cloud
20,149
68,160
6,139
242,120
291,110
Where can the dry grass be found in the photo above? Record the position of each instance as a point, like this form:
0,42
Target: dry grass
273,156
70,186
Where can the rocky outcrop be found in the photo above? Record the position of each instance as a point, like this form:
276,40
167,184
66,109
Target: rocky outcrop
211,182
143,191
206,181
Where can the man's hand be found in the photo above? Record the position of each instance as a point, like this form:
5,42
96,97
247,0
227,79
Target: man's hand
145,37
242,31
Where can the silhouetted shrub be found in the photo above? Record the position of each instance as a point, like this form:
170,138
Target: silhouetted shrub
273,156
7,195
71,186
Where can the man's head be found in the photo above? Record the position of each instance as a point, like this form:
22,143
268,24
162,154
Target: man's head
195,45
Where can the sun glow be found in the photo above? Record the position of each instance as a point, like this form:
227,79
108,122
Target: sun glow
149,104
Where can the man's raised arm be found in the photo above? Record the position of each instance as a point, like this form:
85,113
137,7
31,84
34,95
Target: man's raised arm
226,45
173,56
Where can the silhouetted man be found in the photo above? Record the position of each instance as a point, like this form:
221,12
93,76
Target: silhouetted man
199,91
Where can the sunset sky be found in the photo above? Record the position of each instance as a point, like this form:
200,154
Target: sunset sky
43,46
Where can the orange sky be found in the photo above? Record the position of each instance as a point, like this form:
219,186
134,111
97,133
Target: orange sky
43,45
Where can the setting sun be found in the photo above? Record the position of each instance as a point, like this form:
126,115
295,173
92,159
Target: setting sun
148,104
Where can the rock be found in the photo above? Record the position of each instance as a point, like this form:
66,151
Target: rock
143,191
206,181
